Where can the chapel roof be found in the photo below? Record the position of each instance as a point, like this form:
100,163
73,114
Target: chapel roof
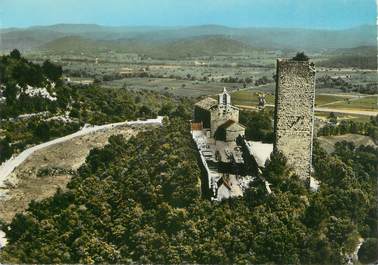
207,103
231,125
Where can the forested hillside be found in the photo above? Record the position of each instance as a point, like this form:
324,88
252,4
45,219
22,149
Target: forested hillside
27,87
364,57
139,200
36,106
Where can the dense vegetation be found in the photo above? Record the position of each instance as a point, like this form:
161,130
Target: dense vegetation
36,91
349,126
363,57
346,85
351,61
44,119
18,74
301,57
139,200
259,125
368,252
17,135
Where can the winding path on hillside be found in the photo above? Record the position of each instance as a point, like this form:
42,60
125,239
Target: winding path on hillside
8,166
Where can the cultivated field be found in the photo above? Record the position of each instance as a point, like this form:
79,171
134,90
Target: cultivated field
244,74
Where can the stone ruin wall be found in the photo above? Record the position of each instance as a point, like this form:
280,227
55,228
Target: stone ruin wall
294,114
222,114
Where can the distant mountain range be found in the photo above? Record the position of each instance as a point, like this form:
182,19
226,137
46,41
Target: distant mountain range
196,40
181,48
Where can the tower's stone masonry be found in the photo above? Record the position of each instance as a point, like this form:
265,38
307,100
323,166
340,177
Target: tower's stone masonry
294,114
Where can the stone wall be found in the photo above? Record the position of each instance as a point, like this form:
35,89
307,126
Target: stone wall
233,133
294,114
202,115
222,114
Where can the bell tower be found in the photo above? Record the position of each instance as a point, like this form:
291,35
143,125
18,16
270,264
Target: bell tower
224,98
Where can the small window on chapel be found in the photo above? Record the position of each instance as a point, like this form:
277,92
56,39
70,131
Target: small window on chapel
224,99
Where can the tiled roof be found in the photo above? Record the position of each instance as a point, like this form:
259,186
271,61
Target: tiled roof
236,126
207,103
232,125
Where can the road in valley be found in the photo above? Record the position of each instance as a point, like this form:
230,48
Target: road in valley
320,109
349,111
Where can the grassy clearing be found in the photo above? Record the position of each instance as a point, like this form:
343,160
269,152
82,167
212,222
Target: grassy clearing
249,97
340,116
187,88
365,103
356,118
327,99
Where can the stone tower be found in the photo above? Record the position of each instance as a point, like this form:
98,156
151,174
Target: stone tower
294,114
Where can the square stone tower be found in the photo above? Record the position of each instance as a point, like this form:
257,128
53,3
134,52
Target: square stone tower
294,114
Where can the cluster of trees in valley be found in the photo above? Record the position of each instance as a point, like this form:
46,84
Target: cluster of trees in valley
346,85
17,135
259,125
352,61
349,126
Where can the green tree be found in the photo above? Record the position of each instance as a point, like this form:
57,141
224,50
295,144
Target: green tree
52,71
300,56
368,251
15,54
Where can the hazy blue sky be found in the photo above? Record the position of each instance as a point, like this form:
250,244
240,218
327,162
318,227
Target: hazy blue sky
240,13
